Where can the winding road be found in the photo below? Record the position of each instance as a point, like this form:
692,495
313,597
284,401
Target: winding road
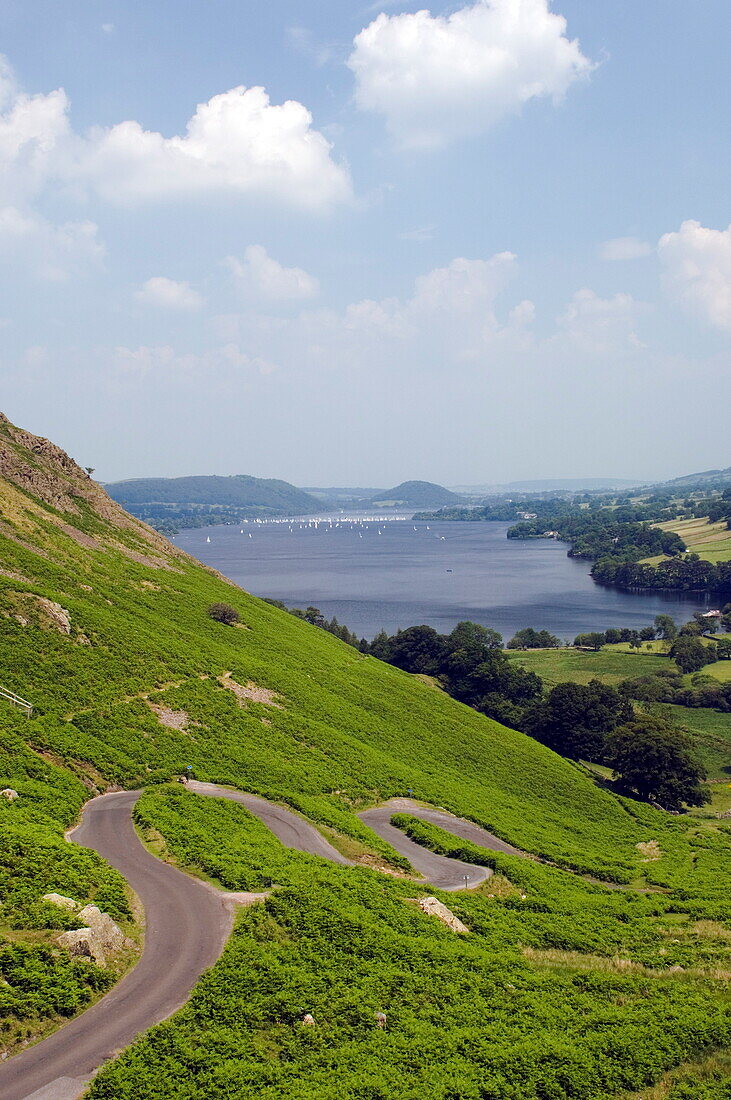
187,923
441,871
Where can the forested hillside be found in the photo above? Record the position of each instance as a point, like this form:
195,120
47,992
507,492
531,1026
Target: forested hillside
169,503
564,987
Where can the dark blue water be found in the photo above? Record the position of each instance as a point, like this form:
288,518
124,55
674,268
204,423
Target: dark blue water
402,577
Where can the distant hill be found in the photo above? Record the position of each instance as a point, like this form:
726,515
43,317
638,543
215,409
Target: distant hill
549,485
707,479
239,491
417,494
342,494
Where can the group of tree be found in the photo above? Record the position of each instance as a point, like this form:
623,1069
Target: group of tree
670,686
689,648
469,663
648,753
528,638
315,617
689,574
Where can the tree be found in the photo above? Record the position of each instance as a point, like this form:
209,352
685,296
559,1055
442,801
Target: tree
314,616
690,653
224,613
380,647
474,638
528,638
665,628
593,640
417,649
654,758
574,719
705,625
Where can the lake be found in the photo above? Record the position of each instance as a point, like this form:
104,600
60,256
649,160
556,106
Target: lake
438,574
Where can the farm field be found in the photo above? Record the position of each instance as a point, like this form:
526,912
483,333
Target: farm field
711,734
611,664
709,729
711,541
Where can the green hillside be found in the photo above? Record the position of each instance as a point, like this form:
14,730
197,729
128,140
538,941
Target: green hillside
239,491
563,988
417,494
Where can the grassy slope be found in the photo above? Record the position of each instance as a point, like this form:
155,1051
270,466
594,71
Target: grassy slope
350,731
711,541
611,664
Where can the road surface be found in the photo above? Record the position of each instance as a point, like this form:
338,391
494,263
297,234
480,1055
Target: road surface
441,871
187,923
186,926
293,831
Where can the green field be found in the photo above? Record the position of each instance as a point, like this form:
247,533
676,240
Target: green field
562,988
711,734
711,541
611,664
709,729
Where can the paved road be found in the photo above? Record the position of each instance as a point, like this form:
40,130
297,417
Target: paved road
293,831
187,923
441,871
186,926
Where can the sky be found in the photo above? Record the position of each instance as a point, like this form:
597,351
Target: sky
346,243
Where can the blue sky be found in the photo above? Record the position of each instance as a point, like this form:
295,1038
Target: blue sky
468,243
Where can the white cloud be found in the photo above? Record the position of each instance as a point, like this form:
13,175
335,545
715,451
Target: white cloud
155,359
169,294
259,275
422,233
624,248
599,326
451,316
697,271
53,252
237,142
437,78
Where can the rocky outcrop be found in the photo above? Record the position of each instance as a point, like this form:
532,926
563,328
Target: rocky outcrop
46,472
437,909
9,794
109,935
82,943
47,614
61,901
99,938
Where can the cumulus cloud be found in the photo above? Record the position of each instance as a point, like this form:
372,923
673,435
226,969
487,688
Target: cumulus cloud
437,78
169,294
696,265
258,275
599,326
156,359
53,252
238,142
624,248
451,316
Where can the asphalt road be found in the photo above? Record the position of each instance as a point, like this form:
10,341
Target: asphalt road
186,927
187,923
441,871
293,831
